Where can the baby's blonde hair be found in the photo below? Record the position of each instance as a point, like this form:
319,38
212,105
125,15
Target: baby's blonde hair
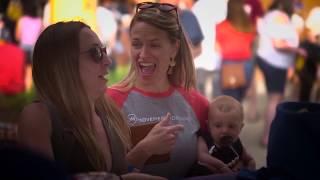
226,105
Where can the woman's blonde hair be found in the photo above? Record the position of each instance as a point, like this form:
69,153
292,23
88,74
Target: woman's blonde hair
183,73
57,79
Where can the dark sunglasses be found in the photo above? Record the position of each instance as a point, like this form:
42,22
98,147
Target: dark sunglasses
97,53
164,7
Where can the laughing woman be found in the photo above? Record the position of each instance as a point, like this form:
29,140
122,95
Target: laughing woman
161,82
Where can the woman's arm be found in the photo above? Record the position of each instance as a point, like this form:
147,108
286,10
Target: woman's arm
160,140
280,29
282,45
18,31
138,155
34,129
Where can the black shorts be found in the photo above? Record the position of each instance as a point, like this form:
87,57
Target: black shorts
275,78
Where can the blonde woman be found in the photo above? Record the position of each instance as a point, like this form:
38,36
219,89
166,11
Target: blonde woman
161,81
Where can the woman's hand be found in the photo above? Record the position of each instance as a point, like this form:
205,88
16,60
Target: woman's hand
160,140
162,137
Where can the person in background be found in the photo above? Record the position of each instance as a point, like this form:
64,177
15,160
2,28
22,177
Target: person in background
293,71
190,25
277,48
209,13
310,71
12,68
28,28
106,24
160,89
219,147
235,37
120,50
255,10
4,31
297,19
72,121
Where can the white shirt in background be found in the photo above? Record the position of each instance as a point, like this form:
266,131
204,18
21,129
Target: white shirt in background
209,13
270,28
106,25
313,21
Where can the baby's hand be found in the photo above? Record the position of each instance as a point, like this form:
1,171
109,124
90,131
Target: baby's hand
225,169
237,166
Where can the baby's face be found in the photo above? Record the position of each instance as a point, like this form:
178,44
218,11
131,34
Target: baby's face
225,128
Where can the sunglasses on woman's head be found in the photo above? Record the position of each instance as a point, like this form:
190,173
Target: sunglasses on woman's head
164,7
97,53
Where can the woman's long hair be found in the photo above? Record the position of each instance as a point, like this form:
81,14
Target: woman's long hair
57,79
183,72
237,16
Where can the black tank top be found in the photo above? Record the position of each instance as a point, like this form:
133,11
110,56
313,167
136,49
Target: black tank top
70,153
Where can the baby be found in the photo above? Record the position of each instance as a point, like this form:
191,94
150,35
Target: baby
219,148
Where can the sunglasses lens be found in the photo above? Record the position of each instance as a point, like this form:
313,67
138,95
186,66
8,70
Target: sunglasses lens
145,6
96,54
166,7
162,7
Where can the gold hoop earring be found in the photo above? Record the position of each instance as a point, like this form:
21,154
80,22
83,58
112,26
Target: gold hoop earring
170,70
172,62
171,65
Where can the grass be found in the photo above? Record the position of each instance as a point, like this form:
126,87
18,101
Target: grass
11,106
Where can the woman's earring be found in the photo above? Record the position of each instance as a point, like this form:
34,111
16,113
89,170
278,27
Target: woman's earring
171,65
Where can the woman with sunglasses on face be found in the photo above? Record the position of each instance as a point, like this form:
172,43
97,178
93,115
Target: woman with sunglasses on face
72,121
160,90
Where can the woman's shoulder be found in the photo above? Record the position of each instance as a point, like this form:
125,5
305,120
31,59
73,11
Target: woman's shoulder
198,102
223,25
35,114
115,92
117,95
35,109
34,128
193,94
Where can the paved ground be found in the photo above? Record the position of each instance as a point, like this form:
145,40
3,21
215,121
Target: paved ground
250,136
252,132
253,129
